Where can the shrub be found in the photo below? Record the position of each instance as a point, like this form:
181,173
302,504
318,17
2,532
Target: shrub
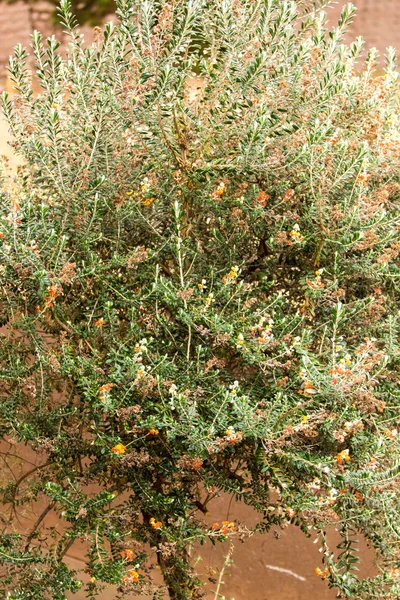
200,275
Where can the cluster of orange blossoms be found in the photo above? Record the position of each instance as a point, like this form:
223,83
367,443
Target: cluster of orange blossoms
295,235
357,495
155,524
232,275
219,191
119,449
319,573
308,389
343,457
262,198
132,577
316,284
52,292
104,390
128,554
290,512
393,572
391,433
225,528
339,370
232,436
363,178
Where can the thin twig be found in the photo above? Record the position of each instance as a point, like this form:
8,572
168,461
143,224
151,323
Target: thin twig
222,571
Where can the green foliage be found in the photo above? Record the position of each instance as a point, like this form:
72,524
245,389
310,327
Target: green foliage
200,287
91,12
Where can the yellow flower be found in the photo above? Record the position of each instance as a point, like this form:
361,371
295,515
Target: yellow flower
295,234
343,456
240,341
233,273
155,524
148,201
119,449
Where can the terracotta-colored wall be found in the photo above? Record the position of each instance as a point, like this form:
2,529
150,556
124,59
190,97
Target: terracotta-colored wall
378,21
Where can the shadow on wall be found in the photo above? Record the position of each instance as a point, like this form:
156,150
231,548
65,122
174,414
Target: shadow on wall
275,566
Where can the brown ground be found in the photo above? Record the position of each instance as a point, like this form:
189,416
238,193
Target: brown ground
254,574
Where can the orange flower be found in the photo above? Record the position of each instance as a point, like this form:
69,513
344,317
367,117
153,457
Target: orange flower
153,431
315,285
363,178
53,291
224,530
393,572
262,198
119,449
290,512
216,195
358,496
229,524
1,235
100,322
128,554
15,204
288,194
343,456
178,176
227,527
148,201
320,573
104,389
134,575
232,275
155,524
308,388
391,434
